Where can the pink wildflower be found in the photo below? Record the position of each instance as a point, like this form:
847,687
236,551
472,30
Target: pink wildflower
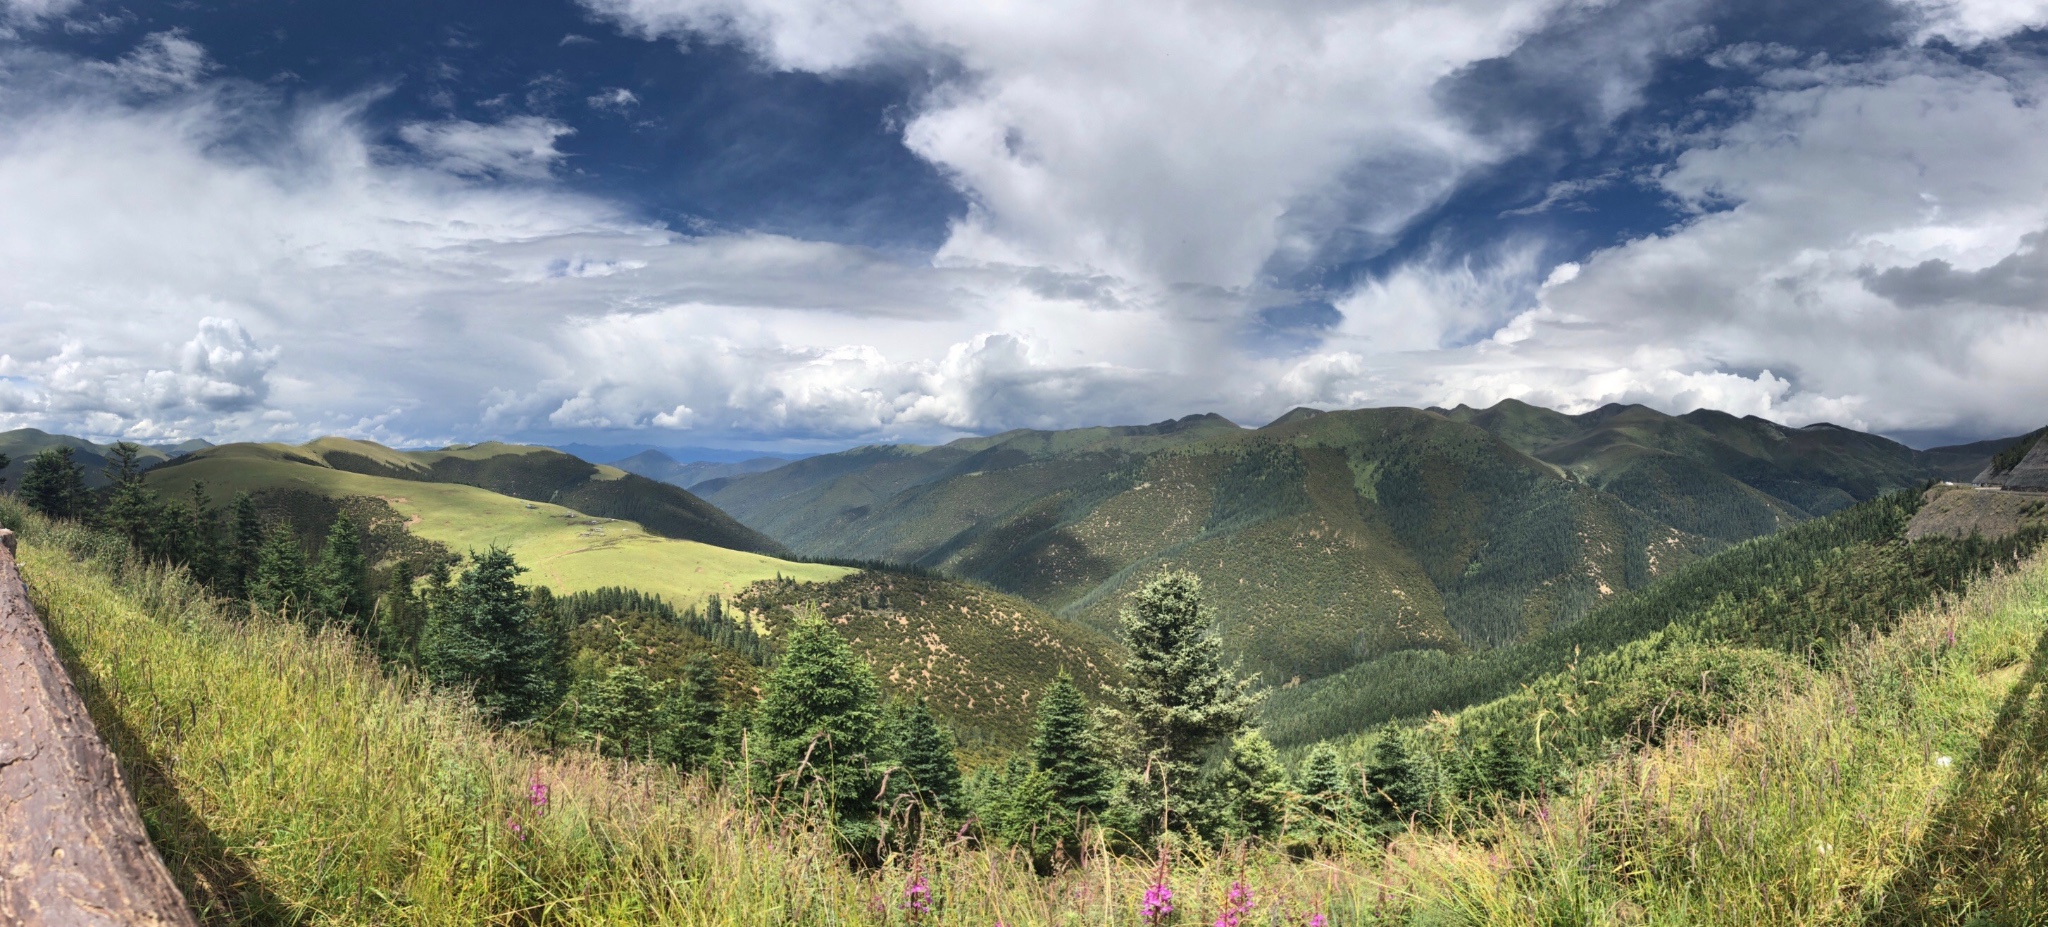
537,792
1318,920
1236,906
1158,903
917,898
518,830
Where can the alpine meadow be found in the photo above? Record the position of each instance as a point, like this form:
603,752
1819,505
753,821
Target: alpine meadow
792,463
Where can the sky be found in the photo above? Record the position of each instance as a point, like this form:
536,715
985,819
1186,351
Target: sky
808,224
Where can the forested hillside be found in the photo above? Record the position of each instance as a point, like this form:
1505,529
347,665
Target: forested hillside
1332,539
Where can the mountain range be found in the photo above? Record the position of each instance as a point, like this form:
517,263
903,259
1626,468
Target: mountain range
1326,539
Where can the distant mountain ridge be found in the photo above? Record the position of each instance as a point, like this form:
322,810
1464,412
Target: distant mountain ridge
655,465
22,444
1329,537
535,474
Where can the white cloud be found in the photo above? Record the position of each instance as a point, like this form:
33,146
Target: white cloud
1162,142
163,62
1973,22
1864,251
32,11
614,100
521,147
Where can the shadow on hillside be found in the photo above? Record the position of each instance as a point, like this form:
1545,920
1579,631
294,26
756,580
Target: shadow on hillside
1983,859
220,887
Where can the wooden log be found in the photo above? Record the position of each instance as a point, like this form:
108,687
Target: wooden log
73,850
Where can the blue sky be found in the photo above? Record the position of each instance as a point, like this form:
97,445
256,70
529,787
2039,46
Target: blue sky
800,224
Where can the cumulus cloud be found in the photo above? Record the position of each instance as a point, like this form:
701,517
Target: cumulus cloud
521,147
1862,250
1164,142
1974,22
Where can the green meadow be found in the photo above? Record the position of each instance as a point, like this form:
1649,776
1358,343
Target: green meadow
564,549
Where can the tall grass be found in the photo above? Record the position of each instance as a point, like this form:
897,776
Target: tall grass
287,778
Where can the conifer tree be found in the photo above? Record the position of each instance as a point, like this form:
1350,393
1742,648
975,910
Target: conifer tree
1182,700
5,462
245,546
818,723
342,580
1253,786
1017,807
1503,768
55,484
482,633
130,508
1393,782
1325,784
618,711
280,581
694,714
1063,747
924,756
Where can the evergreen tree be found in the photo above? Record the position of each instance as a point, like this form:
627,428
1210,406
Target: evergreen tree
1325,784
55,484
1394,788
1018,808
924,756
694,715
819,722
4,463
1182,700
201,546
1063,747
1503,768
342,580
482,633
281,581
1253,786
130,508
245,546
618,711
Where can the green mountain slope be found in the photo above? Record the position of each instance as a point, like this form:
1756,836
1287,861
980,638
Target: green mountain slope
536,474
23,443
1331,538
565,548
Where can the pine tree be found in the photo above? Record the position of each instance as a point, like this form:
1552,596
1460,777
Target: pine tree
482,633
1503,768
924,756
1017,807
1182,700
281,581
342,580
1325,784
1253,785
245,546
694,714
55,484
819,723
1394,788
1063,747
5,462
130,508
618,711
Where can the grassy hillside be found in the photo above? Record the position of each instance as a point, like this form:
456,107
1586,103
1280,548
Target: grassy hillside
536,474
656,465
1797,594
286,779
566,549
23,443
979,657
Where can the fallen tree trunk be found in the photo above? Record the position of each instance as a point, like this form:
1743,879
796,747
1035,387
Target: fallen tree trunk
73,850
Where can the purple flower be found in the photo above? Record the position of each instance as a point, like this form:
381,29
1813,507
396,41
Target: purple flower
1158,904
1317,920
917,898
518,830
537,792
1236,906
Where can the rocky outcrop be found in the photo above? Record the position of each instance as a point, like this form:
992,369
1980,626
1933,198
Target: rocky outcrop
2029,475
73,850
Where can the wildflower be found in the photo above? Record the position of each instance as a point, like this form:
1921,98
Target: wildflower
537,792
1236,906
1318,920
518,830
1158,903
1944,762
917,898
